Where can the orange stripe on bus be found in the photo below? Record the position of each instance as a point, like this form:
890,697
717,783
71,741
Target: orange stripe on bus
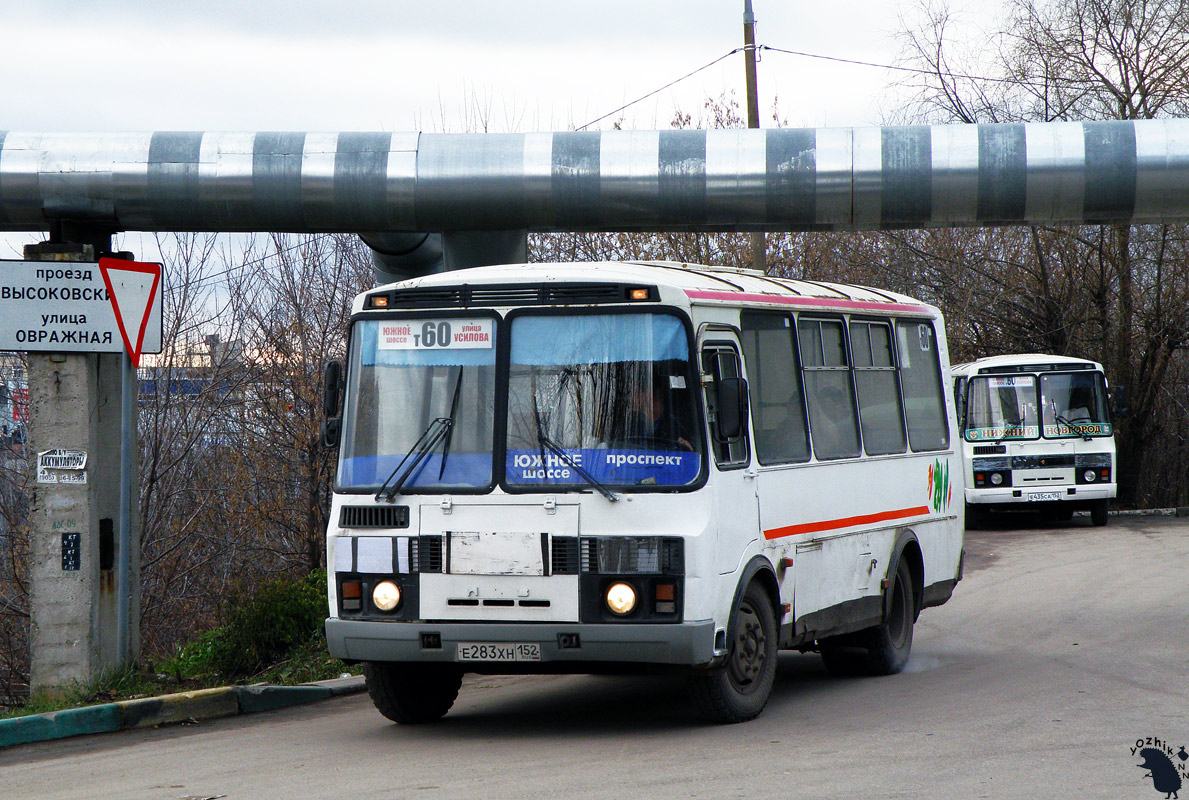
845,522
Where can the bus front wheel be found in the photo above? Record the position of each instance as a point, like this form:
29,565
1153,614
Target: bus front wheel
412,693
1098,512
738,689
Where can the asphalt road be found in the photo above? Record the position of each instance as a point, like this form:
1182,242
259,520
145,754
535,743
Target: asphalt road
1058,651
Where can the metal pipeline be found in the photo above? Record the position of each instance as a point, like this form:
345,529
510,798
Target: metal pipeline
777,180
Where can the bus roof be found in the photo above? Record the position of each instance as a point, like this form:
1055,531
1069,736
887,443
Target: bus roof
1023,362
701,284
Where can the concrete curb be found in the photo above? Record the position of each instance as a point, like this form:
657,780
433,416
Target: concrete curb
171,708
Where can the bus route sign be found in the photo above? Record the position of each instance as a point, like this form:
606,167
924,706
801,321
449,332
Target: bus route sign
67,307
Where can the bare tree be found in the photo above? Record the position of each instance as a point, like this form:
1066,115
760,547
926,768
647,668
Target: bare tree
1114,293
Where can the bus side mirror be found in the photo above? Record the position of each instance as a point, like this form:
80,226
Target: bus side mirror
332,380
732,409
1119,402
330,432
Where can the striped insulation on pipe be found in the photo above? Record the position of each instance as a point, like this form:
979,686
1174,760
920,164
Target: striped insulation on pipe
785,179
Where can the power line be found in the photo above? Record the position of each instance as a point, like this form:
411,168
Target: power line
920,71
304,243
666,86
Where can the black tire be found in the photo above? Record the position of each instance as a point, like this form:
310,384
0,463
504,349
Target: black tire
412,693
1098,512
738,689
975,517
884,649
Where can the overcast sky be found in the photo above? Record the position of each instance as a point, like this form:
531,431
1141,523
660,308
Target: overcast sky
515,65
392,65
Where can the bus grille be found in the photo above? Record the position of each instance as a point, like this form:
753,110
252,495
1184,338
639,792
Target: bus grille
374,517
638,555
430,556
564,555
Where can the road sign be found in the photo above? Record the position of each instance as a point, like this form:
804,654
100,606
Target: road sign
132,287
67,307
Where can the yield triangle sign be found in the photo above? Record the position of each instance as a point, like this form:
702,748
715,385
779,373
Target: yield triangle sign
131,287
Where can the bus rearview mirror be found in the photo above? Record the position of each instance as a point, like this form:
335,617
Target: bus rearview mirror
331,380
732,409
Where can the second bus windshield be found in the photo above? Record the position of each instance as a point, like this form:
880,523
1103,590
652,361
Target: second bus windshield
1057,405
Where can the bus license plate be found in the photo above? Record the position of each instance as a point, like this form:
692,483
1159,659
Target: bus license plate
1034,496
499,651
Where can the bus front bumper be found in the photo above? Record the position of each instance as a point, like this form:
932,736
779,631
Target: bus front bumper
1083,495
561,644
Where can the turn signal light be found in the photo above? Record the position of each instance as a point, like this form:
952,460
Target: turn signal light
352,595
638,294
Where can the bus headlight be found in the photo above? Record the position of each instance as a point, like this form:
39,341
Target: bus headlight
621,598
386,595
996,478
1089,476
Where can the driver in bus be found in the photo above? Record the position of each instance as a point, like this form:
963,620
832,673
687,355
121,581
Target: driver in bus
650,420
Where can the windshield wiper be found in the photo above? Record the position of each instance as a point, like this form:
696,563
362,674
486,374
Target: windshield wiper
450,431
1009,429
1062,420
552,447
428,440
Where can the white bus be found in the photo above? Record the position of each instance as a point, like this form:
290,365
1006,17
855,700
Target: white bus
1036,435
633,466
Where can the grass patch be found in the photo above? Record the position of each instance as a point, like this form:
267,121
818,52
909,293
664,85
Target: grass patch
272,634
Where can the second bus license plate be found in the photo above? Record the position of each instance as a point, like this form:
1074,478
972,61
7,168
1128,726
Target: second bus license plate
1033,496
499,651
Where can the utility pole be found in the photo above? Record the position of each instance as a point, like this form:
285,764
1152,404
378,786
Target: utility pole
758,245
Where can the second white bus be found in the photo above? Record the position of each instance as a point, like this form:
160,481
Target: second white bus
1037,434
636,466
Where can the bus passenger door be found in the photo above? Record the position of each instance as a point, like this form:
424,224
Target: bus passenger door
732,478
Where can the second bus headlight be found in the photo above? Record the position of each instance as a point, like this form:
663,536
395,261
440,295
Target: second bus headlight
621,598
386,595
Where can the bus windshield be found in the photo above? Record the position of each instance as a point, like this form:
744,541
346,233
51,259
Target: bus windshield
1074,404
608,395
1001,407
421,399
1015,407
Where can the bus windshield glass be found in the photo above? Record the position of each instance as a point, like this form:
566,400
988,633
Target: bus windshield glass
421,399
1061,405
608,395
1074,404
1001,407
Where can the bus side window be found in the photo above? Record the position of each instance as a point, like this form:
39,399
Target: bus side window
880,409
774,384
721,361
920,378
833,424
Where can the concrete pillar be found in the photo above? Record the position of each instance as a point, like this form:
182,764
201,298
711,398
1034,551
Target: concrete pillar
74,404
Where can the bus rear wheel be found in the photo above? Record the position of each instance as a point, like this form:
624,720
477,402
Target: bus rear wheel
412,693
884,649
738,689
